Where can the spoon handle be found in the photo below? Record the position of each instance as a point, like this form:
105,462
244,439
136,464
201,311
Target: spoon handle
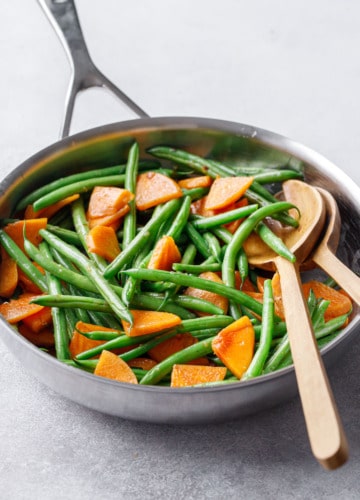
343,276
325,431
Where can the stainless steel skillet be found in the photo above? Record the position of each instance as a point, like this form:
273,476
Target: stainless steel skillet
222,140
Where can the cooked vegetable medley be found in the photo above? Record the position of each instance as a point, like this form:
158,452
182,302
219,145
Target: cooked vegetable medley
138,272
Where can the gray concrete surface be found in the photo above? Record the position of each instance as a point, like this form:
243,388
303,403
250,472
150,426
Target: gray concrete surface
291,67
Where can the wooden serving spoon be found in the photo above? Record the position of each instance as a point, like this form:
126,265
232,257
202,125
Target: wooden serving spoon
324,253
326,434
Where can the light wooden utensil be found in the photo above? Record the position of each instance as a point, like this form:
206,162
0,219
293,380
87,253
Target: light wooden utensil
324,253
326,434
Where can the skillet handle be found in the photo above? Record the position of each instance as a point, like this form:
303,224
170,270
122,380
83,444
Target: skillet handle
63,16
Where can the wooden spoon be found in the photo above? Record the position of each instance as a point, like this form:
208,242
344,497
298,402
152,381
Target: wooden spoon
324,254
326,434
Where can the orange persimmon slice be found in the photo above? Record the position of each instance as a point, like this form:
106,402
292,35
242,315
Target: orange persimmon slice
153,188
49,211
170,346
165,254
187,375
43,338
113,220
103,241
339,302
197,207
9,276
215,298
40,320
144,363
146,322
79,343
17,309
113,367
32,227
234,345
195,182
226,190
106,200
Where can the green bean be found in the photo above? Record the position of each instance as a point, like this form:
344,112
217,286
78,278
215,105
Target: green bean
197,164
330,282
317,317
147,301
257,363
92,272
61,338
82,229
258,194
311,302
100,335
259,189
23,261
129,225
207,265
196,282
237,170
58,270
205,333
117,343
197,350
141,301
223,234
146,346
274,175
213,245
197,304
104,319
284,347
240,235
62,218
195,193
171,289
321,342
202,223
197,240
164,212
243,265
77,187
138,350
274,242
180,220
220,169
82,314
67,235
70,301
65,181
279,330
197,324
70,314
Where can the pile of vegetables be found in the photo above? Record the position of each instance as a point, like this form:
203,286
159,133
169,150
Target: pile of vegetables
138,272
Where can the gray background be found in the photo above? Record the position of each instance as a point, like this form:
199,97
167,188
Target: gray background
291,67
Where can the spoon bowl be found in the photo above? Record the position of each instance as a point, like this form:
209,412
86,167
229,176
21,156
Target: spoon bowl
300,240
326,435
324,253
